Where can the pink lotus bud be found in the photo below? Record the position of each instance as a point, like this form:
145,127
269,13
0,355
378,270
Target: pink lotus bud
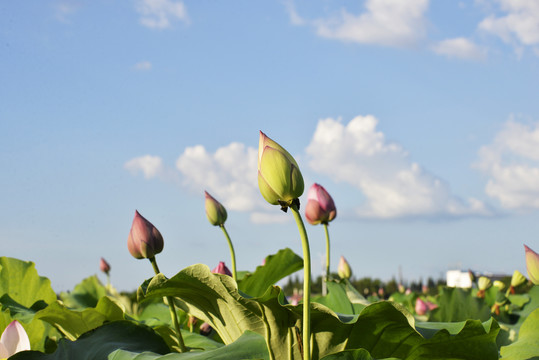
421,307
13,340
431,306
279,179
320,207
205,329
344,269
215,211
144,240
221,269
532,265
104,266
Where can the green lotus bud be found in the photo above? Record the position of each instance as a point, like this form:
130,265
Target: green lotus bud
279,179
500,285
484,283
517,279
215,211
532,265
344,269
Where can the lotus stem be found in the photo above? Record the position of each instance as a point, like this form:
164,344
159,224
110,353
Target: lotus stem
306,328
327,259
172,308
232,253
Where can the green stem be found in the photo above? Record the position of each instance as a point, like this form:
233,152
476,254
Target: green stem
172,308
306,283
232,253
327,256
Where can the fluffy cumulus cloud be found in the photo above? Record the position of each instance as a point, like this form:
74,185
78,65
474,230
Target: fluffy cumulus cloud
159,14
518,23
150,166
384,22
461,48
394,186
512,163
229,174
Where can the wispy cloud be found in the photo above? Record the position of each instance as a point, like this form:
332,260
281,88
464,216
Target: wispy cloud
393,23
160,14
518,26
143,66
394,186
461,48
150,166
512,163
65,9
295,18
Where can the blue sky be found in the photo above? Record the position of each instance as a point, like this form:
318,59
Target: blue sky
420,118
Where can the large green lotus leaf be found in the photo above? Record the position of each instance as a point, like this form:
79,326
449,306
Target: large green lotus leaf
456,304
283,263
21,281
73,323
192,340
338,299
248,346
23,293
358,354
519,300
528,308
475,340
99,343
384,329
84,295
527,345
407,300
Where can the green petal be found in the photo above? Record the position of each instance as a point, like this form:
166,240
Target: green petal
267,191
276,169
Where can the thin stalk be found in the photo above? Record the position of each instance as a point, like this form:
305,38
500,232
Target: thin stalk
232,253
306,328
327,257
172,309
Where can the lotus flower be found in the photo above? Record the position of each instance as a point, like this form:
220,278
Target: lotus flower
144,239
221,269
13,340
279,179
215,211
532,265
104,266
421,307
344,269
320,207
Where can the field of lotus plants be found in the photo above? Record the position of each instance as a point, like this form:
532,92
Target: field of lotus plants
224,313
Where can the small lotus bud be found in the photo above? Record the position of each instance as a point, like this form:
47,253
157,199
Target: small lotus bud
401,288
295,298
431,306
104,266
500,285
144,239
344,269
532,265
279,178
483,284
517,279
320,207
215,211
14,339
221,269
421,307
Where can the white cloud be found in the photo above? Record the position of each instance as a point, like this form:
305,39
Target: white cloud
143,66
519,26
159,14
65,9
512,163
150,166
385,22
460,48
393,185
229,174
294,17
